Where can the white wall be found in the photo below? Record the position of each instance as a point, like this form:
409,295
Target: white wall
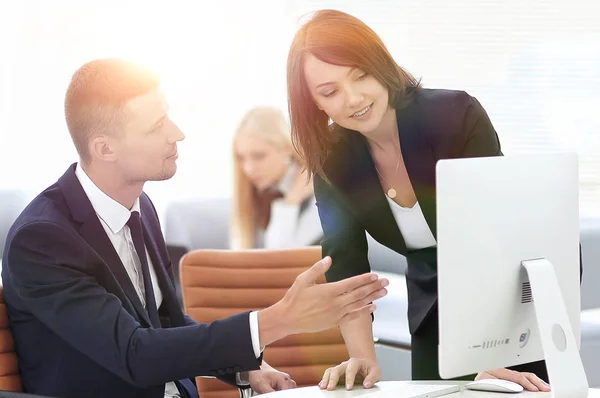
534,65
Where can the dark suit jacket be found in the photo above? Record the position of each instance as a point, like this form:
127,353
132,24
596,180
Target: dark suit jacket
438,124
79,327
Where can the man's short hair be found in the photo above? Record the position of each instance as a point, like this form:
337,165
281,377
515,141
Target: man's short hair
97,94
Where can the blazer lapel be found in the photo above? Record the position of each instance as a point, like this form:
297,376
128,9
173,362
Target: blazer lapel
355,175
361,185
419,160
91,230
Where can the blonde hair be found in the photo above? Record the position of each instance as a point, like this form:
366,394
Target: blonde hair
267,123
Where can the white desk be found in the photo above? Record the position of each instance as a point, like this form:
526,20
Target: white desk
340,392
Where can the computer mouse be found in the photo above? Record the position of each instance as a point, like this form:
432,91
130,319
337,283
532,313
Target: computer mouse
494,385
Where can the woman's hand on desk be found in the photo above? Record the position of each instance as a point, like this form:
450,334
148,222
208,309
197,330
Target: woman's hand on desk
354,369
529,381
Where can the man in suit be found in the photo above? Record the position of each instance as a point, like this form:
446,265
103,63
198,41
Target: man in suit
88,282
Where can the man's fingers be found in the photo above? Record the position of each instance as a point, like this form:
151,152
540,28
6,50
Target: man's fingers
357,313
263,387
356,306
266,387
350,284
287,384
365,294
319,268
284,382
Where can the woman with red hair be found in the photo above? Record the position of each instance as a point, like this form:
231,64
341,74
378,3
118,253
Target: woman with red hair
371,135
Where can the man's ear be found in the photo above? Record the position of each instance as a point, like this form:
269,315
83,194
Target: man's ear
101,148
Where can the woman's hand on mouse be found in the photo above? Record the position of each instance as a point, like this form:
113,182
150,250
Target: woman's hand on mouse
529,381
354,369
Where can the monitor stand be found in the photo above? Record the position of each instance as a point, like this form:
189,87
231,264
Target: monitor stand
565,369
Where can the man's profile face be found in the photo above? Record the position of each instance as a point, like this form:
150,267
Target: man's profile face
146,148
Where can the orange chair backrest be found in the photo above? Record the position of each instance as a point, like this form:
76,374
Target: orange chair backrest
9,368
220,283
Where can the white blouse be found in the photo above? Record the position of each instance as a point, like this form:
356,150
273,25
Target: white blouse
412,225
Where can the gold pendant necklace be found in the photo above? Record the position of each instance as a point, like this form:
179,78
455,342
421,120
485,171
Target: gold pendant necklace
390,192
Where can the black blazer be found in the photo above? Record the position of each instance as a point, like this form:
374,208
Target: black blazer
80,329
438,124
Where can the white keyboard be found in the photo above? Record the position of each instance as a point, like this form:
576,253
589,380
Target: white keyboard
413,390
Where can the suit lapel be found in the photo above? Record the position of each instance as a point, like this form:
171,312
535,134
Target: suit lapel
164,281
93,233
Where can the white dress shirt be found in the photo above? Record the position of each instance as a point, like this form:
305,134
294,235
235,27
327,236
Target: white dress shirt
113,216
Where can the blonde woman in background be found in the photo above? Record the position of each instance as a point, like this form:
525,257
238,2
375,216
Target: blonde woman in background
273,200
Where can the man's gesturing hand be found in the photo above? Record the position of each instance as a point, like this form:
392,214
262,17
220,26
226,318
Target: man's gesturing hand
309,306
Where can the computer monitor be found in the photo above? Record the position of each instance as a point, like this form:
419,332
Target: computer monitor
508,266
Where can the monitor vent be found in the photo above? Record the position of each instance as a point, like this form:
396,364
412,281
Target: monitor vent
492,343
526,296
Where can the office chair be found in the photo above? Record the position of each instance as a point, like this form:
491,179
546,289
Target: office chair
10,381
219,283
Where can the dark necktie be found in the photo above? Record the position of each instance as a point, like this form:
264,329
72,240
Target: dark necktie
186,387
135,225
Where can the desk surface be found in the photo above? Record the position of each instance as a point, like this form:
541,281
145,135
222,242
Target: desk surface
340,392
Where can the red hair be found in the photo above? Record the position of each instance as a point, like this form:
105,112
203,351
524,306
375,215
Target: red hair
336,38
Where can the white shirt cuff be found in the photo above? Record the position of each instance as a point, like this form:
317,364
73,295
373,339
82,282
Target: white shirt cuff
254,334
